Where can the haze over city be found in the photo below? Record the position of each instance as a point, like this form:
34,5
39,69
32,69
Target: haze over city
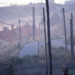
24,2
37,37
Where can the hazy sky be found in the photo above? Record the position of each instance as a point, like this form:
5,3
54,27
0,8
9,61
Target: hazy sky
8,2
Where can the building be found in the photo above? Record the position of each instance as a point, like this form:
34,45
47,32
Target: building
12,36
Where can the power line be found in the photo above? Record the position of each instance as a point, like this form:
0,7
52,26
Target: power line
11,24
7,23
23,21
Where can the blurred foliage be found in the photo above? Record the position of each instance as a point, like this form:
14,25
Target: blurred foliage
14,60
10,70
72,72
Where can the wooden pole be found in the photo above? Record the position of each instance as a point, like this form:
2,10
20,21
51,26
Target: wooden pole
34,23
49,38
71,30
65,33
20,33
38,48
45,41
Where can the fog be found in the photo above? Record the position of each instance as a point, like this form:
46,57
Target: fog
24,42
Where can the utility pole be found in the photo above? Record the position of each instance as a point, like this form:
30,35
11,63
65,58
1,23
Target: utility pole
71,30
45,41
39,26
34,23
38,48
20,33
49,38
40,22
65,33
